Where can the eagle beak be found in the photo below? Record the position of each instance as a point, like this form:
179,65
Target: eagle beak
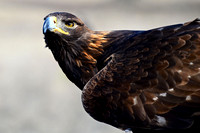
50,24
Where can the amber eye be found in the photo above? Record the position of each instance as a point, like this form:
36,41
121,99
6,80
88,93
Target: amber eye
69,24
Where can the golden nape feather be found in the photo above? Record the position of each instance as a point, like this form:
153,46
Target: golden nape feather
135,80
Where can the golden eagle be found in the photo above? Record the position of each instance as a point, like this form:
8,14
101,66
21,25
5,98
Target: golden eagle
135,80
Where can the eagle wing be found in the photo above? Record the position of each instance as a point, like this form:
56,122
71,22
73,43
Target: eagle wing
154,82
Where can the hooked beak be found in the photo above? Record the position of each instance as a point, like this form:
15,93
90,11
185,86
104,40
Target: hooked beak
50,24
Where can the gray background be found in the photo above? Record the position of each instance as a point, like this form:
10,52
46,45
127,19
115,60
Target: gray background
35,96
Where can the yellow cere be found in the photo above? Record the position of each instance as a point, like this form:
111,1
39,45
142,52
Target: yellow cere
61,31
54,19
58,29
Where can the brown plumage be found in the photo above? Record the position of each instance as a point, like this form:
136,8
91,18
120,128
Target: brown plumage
136,80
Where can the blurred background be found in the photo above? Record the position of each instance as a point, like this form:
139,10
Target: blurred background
35,95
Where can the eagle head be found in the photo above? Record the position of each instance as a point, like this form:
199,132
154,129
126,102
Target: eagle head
75,47
64,24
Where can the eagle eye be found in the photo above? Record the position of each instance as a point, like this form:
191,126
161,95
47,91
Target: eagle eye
70,24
